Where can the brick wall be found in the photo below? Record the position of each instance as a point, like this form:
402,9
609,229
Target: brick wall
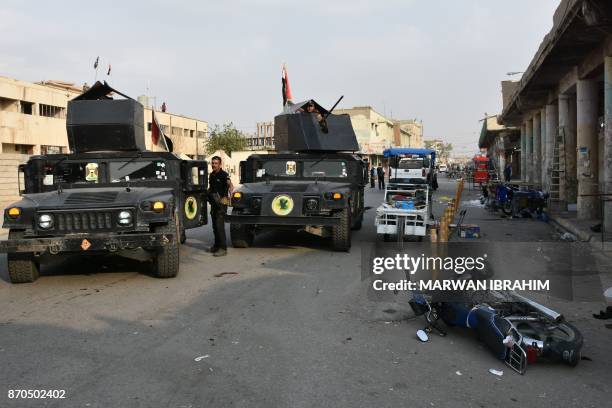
9,191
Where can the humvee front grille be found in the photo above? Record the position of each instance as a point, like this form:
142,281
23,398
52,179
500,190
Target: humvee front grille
83,221
289,188
78,198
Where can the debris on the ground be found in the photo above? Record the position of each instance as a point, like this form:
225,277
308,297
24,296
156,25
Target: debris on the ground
458,372
472,203
219,275
200,358
604,315
596,227
498,373
569,237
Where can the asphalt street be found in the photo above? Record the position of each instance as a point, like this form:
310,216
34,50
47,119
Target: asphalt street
289,324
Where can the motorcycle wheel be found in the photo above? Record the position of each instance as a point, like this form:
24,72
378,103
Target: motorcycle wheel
562,341
507,207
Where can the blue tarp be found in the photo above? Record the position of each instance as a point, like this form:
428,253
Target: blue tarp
398,151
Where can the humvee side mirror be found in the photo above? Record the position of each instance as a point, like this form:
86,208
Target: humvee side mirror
242,171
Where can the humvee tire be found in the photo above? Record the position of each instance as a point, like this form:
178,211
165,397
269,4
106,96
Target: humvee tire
166,258
22,267
242,236
341,233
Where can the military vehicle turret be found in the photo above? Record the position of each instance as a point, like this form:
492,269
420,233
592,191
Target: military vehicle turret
315,182
108,195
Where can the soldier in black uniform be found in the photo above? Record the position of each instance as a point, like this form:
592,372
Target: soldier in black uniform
219,189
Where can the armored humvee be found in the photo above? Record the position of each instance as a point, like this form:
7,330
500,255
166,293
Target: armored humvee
314,183
108,195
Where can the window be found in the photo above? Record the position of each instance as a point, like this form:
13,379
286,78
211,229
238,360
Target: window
149,126
191,133
277,168
51,111
50,149
410,164
176,131
71,172
27,107
201,134
137,170
325,168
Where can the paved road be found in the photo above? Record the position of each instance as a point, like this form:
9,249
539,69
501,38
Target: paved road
293,329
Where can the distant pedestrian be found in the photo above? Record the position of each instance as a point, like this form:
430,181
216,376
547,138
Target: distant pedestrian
220,188
508,172
380,174
372,176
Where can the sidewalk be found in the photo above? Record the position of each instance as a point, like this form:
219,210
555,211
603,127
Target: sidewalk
581,229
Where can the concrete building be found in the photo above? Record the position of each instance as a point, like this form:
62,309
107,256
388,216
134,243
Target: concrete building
563,107
375,132
502,145
263,139
33,121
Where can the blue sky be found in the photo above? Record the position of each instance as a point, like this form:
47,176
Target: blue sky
438,61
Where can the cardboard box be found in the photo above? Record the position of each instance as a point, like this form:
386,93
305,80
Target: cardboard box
469,231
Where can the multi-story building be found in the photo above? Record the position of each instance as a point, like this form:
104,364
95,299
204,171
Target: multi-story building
375,132
33,121
263,139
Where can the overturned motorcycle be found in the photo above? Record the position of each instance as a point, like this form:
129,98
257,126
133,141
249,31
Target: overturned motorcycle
516,329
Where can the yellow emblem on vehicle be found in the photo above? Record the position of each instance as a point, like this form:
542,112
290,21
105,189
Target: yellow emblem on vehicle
282,205
91,172
191,207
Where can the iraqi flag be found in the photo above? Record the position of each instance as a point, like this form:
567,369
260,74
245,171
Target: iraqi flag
287,97
159,141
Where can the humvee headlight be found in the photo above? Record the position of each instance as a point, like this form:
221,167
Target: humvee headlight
124,218
337,196
14,212
312,204
157,206
237,195
45,221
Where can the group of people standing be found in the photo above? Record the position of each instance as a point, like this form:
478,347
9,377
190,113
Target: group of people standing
377,173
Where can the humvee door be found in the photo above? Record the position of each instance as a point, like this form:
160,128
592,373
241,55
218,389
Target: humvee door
195,180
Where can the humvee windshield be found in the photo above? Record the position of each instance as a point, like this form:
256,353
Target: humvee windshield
89,172
302,168
137,170
325,168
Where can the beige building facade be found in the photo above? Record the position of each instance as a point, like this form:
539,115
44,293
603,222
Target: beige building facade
33,120
375,132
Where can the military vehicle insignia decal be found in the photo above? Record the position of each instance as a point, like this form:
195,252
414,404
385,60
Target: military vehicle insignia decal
91,172
191,207
291,168
282,205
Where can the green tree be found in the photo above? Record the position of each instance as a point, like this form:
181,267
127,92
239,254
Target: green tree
446,150
226,138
